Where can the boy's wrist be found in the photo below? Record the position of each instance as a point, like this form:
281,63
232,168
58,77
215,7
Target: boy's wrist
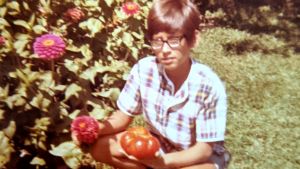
101,128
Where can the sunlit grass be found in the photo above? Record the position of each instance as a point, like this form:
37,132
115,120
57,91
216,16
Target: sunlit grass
263,122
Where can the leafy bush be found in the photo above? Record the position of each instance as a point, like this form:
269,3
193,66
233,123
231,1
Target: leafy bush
78,68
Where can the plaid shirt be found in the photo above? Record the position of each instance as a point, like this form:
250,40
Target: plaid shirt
195,113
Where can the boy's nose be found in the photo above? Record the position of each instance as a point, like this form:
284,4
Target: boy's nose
166,47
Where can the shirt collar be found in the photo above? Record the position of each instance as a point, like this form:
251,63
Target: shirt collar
167,83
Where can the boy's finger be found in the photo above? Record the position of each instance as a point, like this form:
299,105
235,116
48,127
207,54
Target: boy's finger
129,156
75,140
157,154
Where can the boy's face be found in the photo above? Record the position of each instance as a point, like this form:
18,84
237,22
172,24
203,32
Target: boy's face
171,50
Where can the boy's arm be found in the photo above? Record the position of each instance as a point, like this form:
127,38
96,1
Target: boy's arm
197,154
115,123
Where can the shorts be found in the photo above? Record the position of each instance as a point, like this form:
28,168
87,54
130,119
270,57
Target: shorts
221,157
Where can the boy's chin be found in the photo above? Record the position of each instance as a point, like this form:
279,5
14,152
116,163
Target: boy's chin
170,67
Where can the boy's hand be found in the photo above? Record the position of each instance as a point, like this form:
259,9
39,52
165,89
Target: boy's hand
74,139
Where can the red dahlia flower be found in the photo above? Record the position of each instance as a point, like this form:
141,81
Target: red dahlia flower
75,14
2,40
49,46
85,128
130,8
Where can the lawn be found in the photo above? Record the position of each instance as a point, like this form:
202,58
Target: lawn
262,78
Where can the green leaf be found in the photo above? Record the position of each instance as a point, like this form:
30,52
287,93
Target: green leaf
112,94
89,74
137,35
74,114
98,111
3,23
109,2
93,25
41,145
116,31
45,4
15,100
3,11
87,53
15,6
72,162
22,36
31,20
2,2
6,34
6,149
23,24
41,124
20,45
120,14
64,149
2,114
135,53
42,21
71,47
127,39
25,5
39,29
4,92
38,161
91,3
10,130
71,90
60,87
71,66
40,102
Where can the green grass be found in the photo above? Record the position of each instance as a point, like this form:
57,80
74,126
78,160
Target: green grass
262,79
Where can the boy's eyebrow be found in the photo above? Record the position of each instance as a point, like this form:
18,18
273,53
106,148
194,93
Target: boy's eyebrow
168,37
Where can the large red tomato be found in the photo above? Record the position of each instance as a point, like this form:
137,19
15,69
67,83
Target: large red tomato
138,142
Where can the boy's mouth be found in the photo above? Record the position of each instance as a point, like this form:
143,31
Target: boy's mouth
167,60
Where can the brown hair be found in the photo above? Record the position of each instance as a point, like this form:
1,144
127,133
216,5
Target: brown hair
173,16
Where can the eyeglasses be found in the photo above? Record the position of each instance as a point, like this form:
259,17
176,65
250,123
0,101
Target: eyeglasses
173,42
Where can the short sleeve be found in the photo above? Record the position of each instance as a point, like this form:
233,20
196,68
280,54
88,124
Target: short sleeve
211,119
129,100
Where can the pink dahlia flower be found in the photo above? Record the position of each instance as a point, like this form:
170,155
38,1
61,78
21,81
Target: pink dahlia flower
2,40
75,14
130,8
85,128
49,46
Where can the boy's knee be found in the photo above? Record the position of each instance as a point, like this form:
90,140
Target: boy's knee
105,148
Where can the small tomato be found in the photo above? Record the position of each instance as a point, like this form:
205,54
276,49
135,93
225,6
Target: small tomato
138,142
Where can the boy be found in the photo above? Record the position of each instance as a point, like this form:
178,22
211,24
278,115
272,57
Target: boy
183,102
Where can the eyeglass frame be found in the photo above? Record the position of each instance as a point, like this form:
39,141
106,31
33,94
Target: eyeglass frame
167,41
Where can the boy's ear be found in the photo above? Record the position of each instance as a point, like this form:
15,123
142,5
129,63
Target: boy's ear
196,39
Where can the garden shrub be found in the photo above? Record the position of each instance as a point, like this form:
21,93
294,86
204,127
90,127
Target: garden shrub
60,59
